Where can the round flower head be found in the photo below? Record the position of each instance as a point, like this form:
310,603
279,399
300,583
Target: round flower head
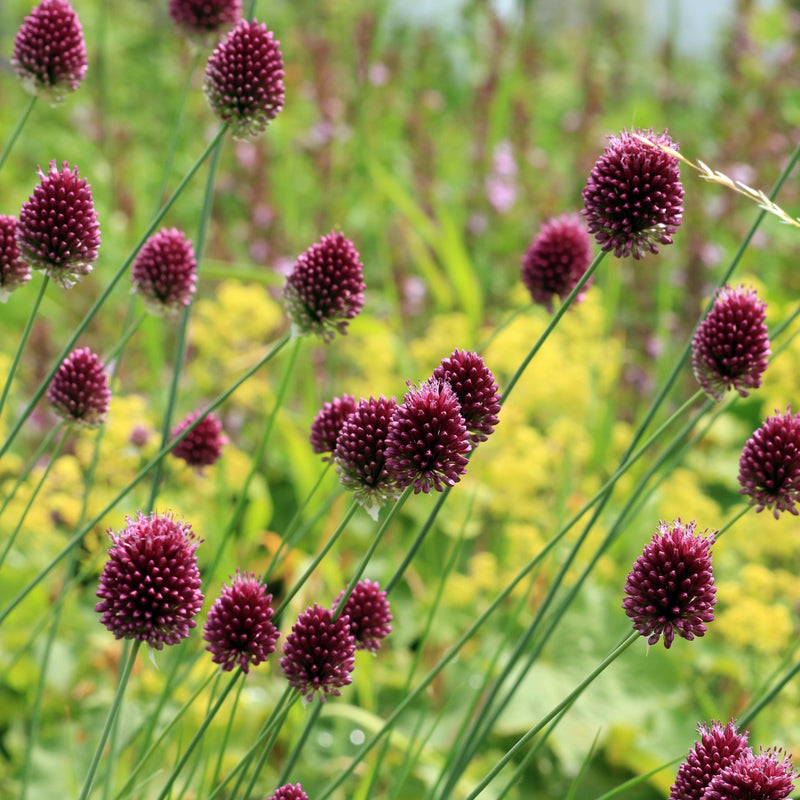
203,20
165,272
14,272
671,586
556,260
239,627
289,792
368,611
731,346
150,586
49,52
244,79
360,453
476,390
632,200
427,439
717,748
325,288
57,231
769,467
79,390
318,653
202,446
770,775
328,422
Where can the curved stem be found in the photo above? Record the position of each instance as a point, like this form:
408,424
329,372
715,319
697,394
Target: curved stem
18,130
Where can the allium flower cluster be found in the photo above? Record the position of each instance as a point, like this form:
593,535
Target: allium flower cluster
731,346
427,439
49,52
369,613
239,628
57,231
556,260
328,422
244,79
670,588
770,775
202,446
325,288
14,272
150,585
769,467
79,390
203,20
289,792
164,273
318,655
632,199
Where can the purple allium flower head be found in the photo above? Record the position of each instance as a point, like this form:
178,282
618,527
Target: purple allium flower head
244,79
731,346
325,288
632,200
770,775
318,653
428,439
79,390
369,614
57,231
476,390
239,628
360,453
150,586
203,20
164,273
289,792
328,422
671,586
556,260
49,52
202,446
717,748
14,272
769,467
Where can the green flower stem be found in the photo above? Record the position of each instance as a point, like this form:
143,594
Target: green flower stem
90,314
224,743
567,701
639,779
139,476
25,334
18,129
751,713
125,674
26,470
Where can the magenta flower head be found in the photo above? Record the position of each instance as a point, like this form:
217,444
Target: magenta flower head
318,655
239,627
632,200
427,439
164,273
289,792
57,231
325,288
14,272
202,446
770,775
769,467
150,585
79,390
203,20
556,260
731,346
360,455
368,611
328,422
244,79
49,52
717,748
671,586
476,390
